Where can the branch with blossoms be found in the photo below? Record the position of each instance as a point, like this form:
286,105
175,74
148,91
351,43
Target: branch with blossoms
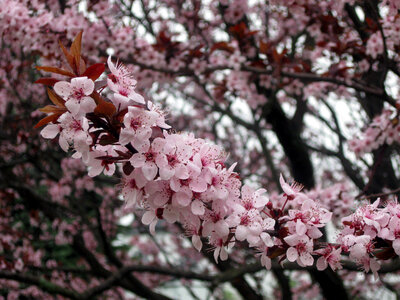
177,177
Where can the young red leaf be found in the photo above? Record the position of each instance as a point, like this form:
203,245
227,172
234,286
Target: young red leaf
264,47
105,108
222,46
127,168
67,54
94,71
48,119
57,100
76,50
82,66
107,140
47,81
48,109
55,70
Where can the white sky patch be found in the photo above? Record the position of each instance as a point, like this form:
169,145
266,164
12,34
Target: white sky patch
391,85
126,220
360,13
241,109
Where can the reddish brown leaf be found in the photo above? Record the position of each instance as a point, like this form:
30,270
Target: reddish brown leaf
385,253
55,70
57,100
275,252
122,154
120,116
196,52
97,98
107,140
94,71
47,81
258,64
76,50
103,107
82,66
108,158
48,109
127,168
264,47
278,57
48,119
68,56
222,46
250,33
239,30
371,23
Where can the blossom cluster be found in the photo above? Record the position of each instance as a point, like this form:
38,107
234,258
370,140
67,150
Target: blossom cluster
372,232
177,177
384,128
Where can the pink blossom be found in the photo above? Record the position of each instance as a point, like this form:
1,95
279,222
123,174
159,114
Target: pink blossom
137,131
330,256
76,93
290,191
132,189
174,156
122,83
100,160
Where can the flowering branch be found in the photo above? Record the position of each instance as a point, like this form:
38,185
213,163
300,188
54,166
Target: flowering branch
180,178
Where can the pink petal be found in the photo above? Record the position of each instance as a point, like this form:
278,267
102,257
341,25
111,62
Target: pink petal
166,173
137,98
198,185
216,253
152,226
306,259
197,207
301,228
241,233
291,254
126,136
181,199
396,246
63,88
148,217
88,105
130,197
110,171
222,228
182,172
160,200
50,131
321,264
137,160
73,106
170,216
266,262
196,241
149,171
119,101
62,141
223,254
95,170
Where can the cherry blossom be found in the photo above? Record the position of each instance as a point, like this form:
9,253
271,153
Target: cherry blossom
121,82
76,95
